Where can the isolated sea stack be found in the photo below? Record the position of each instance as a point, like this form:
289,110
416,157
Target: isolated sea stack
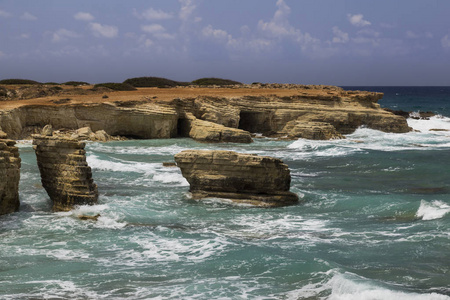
243,178
65,174
9,176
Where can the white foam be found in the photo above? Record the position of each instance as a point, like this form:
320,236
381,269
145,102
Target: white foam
351,287
432,210
436,122
151,171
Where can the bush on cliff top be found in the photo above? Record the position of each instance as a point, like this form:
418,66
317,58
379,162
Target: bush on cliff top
116,86
214,81
18,81
76,83
153,82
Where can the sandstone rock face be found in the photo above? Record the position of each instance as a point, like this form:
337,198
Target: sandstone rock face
244,178
311,130
205,131
65,174
9,177
142,121
312,112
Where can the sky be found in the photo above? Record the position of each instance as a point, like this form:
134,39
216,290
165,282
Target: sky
335,42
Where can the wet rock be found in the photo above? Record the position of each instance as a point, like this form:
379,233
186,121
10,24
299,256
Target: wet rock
9,176
65,174
244,178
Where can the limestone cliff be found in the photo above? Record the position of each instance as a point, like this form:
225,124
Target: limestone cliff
213,115
65,174
9,176
243,178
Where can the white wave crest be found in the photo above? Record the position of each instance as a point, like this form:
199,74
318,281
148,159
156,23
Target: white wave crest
156,171
442,124
432,210
351,287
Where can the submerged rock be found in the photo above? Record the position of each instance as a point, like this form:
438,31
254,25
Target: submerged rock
65,174
9,176
244,178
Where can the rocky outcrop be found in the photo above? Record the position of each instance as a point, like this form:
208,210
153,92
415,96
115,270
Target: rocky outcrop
9,176
65,174
311,130
244,178
205,131
312,112
145,121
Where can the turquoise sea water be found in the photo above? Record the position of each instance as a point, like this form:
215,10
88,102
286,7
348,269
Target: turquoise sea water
373,223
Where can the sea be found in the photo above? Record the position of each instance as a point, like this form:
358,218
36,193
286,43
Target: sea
373,221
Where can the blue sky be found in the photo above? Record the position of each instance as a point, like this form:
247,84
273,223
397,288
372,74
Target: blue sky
348,42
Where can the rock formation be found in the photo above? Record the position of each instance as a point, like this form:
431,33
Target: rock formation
217,115
9,176
244,178
65,174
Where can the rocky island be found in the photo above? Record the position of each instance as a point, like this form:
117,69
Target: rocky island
243,178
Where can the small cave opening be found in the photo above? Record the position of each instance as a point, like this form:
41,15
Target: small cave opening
183,128
254,122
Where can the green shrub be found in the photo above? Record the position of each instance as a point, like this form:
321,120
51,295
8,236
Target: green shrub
18,81
116,86
76,83
56,88
153,82
215,81
51,83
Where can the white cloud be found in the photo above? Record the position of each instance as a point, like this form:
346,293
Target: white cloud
153,28
216,34
24,36
412,35
106,31
445,42
63,34
83,16
187,9
152,14
158,31
5,14
279,27
28,17
358,20
340,37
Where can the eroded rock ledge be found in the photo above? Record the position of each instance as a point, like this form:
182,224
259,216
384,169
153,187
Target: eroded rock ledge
214,116
65,174
243,178
9,176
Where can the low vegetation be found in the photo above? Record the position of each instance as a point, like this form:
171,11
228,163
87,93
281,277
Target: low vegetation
18,81
76,83
153,82
115,86
214,81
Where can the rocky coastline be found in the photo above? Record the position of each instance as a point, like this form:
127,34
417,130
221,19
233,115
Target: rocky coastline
209,114
212,115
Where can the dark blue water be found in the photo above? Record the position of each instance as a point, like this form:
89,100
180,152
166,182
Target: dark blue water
434,99
373,222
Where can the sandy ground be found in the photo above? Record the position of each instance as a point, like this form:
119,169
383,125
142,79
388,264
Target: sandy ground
164,94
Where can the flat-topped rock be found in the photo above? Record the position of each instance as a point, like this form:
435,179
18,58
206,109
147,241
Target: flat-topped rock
9,176
65,174
244,178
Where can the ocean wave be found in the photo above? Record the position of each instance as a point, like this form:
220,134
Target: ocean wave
152,171
348,286
440,124
432,210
